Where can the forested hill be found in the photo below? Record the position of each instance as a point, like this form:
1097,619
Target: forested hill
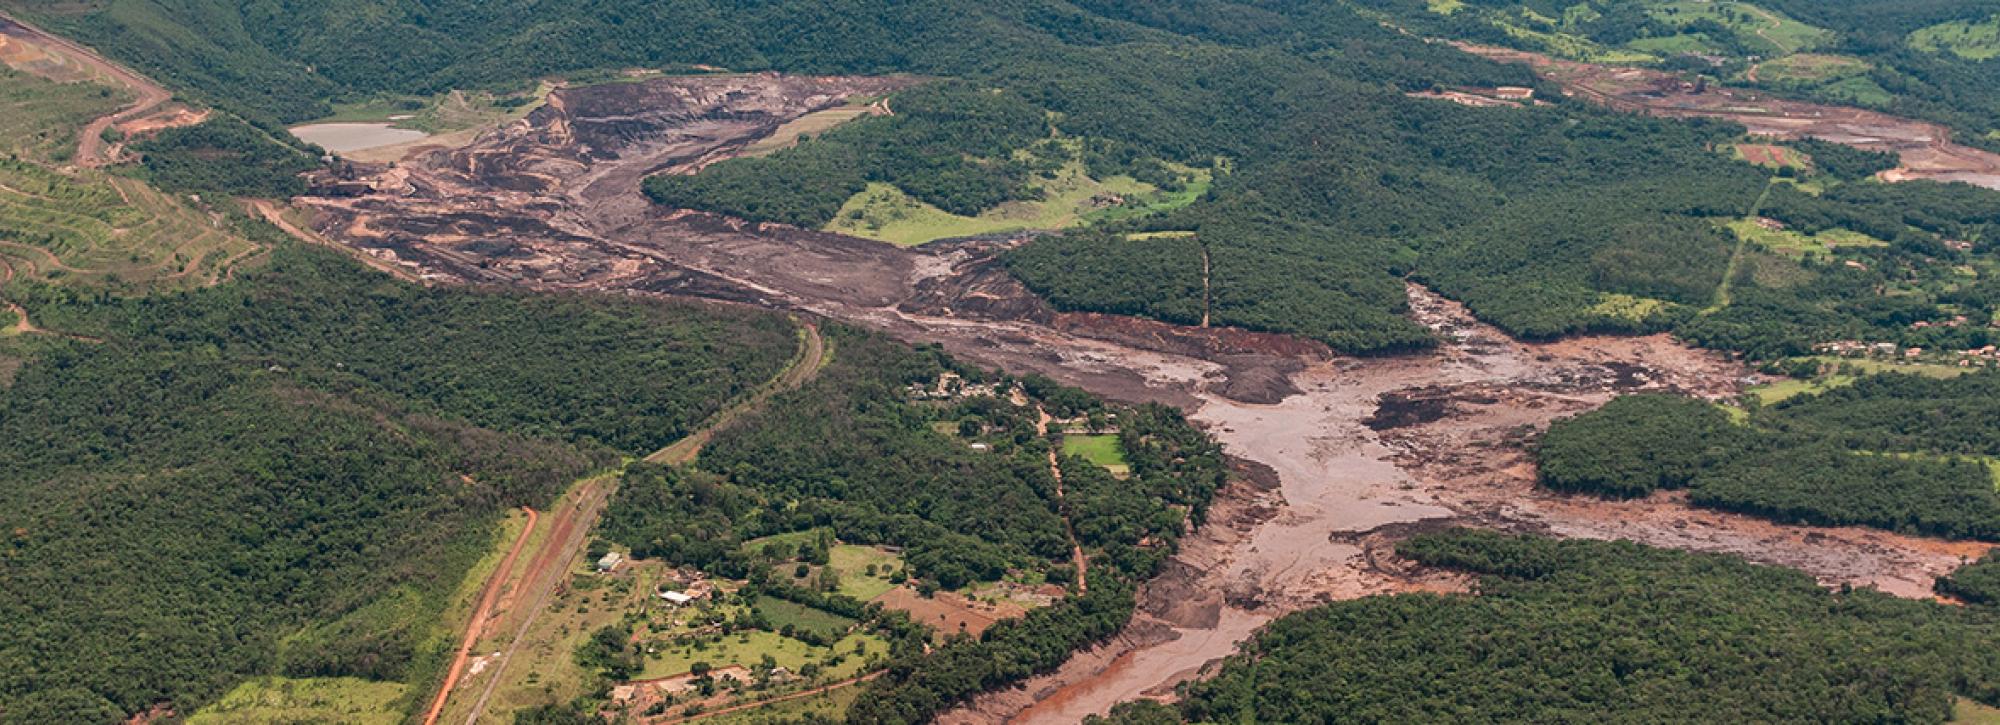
291,473
1572,631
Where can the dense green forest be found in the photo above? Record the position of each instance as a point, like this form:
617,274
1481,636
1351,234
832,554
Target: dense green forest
225,156
289,473
1571,631
854,452
1898,452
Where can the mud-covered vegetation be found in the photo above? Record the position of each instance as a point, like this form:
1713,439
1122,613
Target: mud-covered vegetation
1898,452
1563,630
290,473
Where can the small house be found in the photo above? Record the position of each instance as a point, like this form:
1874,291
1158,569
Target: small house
610,561
678,599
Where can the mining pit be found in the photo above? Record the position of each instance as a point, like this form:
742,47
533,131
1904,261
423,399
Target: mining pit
1338,457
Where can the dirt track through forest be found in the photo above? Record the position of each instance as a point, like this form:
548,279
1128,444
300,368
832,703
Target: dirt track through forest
573,528
488,598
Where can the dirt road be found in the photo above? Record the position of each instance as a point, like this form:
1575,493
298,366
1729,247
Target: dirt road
572,528
271,213
811,357
477,622
766,703
1055,470
90,151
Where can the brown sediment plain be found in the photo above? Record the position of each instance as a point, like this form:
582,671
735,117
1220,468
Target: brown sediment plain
1925,148
1339,457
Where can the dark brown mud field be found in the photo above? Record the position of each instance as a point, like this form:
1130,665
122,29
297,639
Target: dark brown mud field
1338,458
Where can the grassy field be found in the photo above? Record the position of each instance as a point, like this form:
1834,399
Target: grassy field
40,119
1790,388
747,648
811,124
1070,198
1797,245
1575,47
1969,712
1627,307
851,563
1751,24
1964,38
1810,68
1102,450
782,613
326,699
824,707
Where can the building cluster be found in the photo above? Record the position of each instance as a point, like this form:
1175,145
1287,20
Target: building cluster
1988,356
952,386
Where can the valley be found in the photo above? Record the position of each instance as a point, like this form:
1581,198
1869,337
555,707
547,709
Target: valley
1340,457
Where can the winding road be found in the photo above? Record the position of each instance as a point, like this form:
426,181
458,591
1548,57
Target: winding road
90,147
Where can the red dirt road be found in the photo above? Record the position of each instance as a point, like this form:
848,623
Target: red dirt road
90,149
479,615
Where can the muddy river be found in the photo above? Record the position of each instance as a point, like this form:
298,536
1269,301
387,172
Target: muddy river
347,137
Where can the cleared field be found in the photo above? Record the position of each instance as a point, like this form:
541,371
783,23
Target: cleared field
1771,156
950,612
1102,450
1797,245
811,124
828,706
323,699
748,648
443,113
1627,307
1070,198
1810,68
1749,22
99,230
782,614
40,119
1791,388
1964,38
852,562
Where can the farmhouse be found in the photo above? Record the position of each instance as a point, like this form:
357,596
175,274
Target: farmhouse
610,561
678,599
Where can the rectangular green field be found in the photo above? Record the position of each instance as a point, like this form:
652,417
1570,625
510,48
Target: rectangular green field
782,613
1102,450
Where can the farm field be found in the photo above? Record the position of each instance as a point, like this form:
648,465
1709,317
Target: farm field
1964,38
1792,387
1102,450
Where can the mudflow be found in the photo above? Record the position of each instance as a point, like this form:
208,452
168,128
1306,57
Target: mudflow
1338,457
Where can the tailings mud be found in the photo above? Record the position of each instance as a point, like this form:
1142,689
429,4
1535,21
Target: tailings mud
1338,457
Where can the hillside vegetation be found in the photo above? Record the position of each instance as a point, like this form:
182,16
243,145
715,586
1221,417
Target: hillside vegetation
289,474
1899,452
1570,630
